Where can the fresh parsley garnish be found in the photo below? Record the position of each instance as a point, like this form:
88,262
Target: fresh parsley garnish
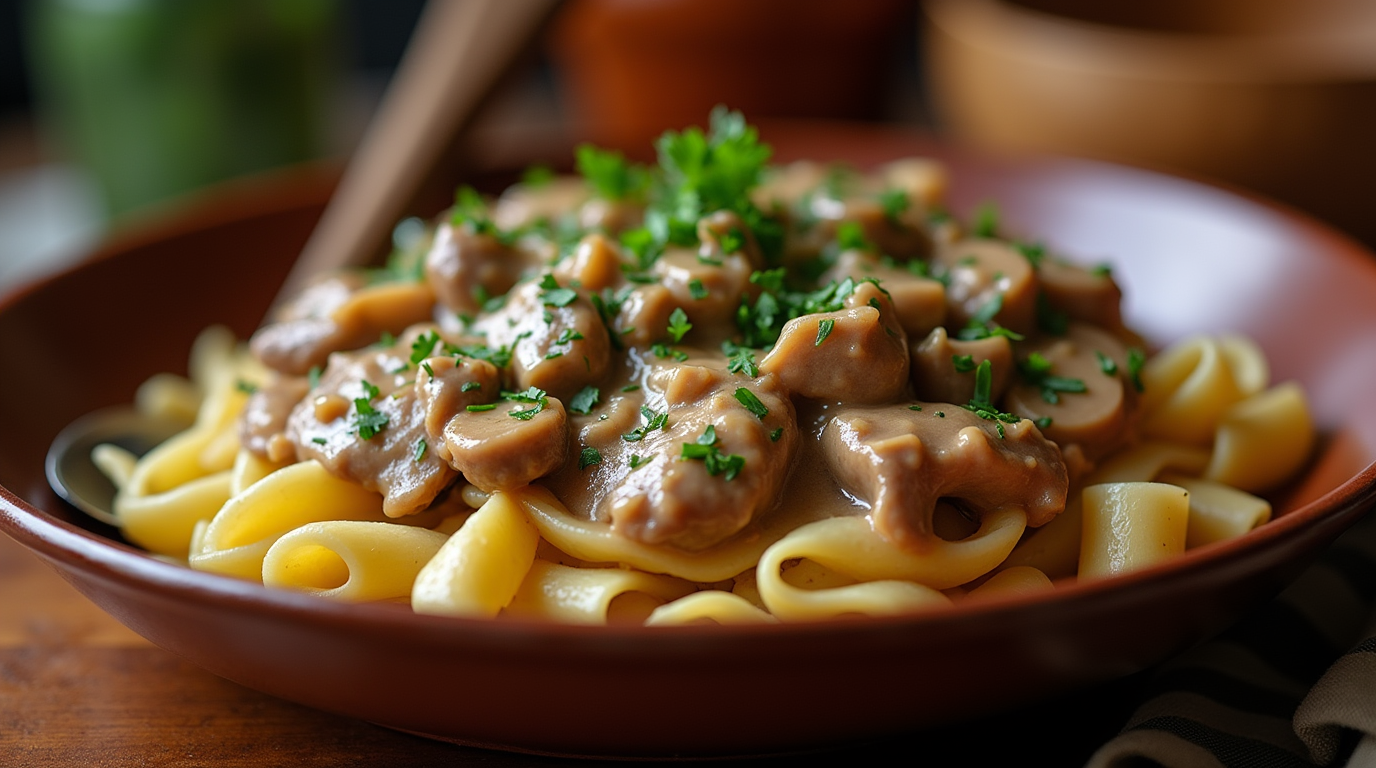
421,448
555,296
1106,363
963,363
740,359
586,399
1136,359
588,457
1036,371
982,403
678,324
469,386
895,202
609,173
986,223
824,327
533,396
752,403
697,290
653,421
367,420
705,449
424,346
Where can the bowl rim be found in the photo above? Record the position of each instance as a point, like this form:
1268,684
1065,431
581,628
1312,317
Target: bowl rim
59,541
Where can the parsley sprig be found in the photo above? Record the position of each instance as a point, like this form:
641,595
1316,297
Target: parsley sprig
368,421
982,403
1036,370
706,450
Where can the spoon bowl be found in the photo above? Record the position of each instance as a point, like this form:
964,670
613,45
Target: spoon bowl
75,477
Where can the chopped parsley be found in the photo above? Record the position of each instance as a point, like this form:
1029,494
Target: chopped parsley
1106,363
1036,371
663,351
697,290
568,335
776,434
469,386
1136,359
1033,252
963,363
247,387
824,327
982,404
1043,422
678,325
740,359
421,448
1050,319
586,399
534,396
537,176
318,440
500,357
705,449
850,236
636,461
894,202
752,403
424,347
589,457
555,296
609,174
480,408
653,421
630,388
731,241
367,420
986,222
313,377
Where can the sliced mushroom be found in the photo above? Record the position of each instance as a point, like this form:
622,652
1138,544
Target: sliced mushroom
557,340
1087,295
1094,422
902,461
920,301
981,272
938,377
508,446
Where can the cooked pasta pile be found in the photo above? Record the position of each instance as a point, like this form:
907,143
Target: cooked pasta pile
711,391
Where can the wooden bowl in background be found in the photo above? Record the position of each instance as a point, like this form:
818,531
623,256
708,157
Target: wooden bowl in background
1273,95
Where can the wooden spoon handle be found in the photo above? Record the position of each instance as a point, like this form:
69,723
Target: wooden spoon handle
459,49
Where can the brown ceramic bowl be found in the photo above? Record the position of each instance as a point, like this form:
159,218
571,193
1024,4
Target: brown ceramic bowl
1276,95
1193,258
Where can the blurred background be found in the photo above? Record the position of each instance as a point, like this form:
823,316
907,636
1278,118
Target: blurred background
111,110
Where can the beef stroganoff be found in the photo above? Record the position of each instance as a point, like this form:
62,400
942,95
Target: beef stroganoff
712,390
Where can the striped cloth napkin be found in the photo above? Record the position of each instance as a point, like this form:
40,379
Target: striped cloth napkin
1293,684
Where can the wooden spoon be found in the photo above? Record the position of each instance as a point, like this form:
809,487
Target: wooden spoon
458,51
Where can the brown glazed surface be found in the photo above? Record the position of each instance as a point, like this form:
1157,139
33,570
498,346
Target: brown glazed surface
1191,258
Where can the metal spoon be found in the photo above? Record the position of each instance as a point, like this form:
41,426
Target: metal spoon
460,49
73,475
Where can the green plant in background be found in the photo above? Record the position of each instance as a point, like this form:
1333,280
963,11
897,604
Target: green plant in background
160,97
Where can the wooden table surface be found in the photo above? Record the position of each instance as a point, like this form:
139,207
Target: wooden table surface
79,689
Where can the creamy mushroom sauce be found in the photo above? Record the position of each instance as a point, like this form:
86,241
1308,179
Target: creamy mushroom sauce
680,358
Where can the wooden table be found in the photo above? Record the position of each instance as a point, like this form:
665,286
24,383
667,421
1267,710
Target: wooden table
78,688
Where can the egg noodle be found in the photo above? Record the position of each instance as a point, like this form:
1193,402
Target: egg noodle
711,391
